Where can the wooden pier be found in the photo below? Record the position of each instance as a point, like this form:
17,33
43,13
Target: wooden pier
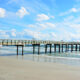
69,46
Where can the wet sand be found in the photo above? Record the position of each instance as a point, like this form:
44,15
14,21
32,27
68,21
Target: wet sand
14,69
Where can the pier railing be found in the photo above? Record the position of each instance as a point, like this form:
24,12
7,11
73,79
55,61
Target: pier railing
23,42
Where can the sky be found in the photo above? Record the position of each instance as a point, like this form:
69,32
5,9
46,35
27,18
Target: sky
40,19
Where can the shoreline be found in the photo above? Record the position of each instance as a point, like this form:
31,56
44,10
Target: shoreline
51,59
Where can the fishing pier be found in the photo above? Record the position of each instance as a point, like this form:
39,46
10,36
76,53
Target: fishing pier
58,45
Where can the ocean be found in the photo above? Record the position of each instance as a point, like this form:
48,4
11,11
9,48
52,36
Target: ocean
69,58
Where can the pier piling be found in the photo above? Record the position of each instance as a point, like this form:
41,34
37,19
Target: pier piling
45,48
2,42
33,48
50,48
79,47
71,47
55,48
62,47
11,42
17,50
59,47
22,50
76,48
7,42
38,49
66,47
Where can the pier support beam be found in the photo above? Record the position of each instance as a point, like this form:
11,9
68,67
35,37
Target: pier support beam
22,50
45,48
76,48
79,47
62,47
17,50
7,42
2,42
11,42
66,47
50,48
55,48
59,47
38,49
71,47
33,48
15,42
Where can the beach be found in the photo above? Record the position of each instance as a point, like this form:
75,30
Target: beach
15,69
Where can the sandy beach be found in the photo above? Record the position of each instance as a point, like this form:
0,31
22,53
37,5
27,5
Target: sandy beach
13,69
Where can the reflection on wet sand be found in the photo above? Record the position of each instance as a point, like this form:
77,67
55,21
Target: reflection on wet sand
46,58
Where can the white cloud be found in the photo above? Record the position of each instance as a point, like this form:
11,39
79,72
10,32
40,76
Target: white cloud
22,12
52,17
50,25
69,18
6,34
74,10
2,13
31,25
12,1
13,32
33,34
53,35
73,36
39,35
75,25
2,32
72,22
42,17
43,25
69,29
65,35
3,35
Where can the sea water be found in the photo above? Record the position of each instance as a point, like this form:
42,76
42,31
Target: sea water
70,58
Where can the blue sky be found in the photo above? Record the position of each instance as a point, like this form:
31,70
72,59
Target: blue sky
40,19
